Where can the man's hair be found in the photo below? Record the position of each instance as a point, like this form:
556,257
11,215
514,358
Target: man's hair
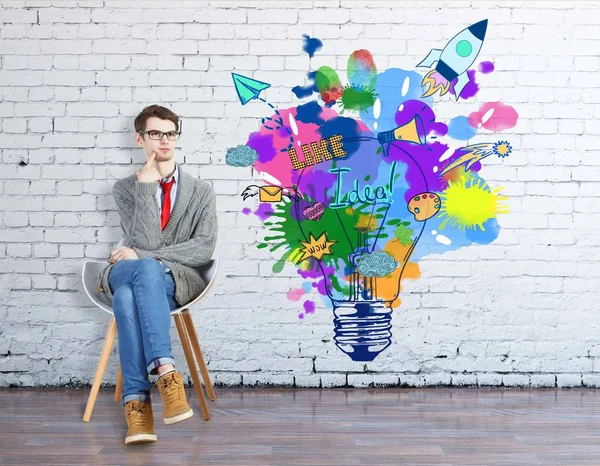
154,111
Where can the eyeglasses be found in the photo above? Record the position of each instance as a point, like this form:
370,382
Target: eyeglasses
158,135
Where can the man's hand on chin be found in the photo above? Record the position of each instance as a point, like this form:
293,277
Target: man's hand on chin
122,253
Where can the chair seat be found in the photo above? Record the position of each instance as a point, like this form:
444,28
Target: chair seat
91,270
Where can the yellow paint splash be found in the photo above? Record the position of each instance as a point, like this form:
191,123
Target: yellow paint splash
367,221
468,203
295,255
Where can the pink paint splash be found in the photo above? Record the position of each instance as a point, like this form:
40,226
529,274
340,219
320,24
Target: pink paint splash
486,67
500,117
272,144
295,295
309,306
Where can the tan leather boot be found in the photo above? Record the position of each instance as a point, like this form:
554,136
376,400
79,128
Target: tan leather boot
172,391
140,423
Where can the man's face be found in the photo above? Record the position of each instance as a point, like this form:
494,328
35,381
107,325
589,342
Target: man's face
164,148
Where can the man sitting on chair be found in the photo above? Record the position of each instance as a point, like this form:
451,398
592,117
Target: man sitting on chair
169,224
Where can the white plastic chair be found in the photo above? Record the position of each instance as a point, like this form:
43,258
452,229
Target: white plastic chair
185,328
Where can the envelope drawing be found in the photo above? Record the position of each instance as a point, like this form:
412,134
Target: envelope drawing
270,193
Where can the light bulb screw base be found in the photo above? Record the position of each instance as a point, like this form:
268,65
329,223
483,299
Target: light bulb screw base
362,328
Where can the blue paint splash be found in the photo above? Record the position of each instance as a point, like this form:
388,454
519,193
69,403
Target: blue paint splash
311,45
459,129
307,91
310,113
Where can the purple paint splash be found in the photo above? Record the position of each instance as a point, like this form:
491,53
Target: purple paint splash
321,287
470,90
422,177
486,67
263,145
309,306
264,211
315,271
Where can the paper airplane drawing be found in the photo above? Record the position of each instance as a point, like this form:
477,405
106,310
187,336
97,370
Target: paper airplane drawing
247,88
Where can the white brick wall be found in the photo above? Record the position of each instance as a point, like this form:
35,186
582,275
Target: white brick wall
521,311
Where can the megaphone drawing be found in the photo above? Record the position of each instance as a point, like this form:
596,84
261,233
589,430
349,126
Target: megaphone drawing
413,132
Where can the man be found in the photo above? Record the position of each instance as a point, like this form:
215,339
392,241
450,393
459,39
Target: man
169,225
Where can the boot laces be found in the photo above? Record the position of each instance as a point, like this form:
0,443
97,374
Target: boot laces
168,394
137,415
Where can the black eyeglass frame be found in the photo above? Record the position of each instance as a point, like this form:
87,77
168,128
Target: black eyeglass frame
178,133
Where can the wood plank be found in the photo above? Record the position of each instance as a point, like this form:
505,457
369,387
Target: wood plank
279,426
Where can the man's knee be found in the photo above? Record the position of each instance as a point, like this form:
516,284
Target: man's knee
149,265
124,300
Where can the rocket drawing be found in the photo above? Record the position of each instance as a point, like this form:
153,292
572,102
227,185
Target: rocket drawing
454,60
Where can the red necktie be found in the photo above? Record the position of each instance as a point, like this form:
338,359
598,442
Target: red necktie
166,207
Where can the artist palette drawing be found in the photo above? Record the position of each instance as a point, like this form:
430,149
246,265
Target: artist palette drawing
424,206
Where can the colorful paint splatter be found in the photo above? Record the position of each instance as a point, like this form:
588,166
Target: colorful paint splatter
359,199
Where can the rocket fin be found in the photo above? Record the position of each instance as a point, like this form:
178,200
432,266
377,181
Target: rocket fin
461,82
434,55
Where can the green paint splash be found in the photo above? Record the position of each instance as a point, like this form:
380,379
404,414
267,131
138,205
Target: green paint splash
339,225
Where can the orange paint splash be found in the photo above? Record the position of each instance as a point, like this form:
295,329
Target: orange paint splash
387,287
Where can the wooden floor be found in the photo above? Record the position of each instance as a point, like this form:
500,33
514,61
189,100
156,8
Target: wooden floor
313,427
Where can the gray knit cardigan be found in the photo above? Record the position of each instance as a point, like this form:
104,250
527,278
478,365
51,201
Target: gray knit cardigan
187,242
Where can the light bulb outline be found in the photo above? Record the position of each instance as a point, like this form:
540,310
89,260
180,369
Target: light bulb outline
414,243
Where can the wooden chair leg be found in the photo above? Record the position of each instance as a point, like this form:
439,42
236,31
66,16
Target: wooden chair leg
191,365
119,384
189,324
109,341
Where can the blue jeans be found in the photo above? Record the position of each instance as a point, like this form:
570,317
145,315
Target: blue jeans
142,300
